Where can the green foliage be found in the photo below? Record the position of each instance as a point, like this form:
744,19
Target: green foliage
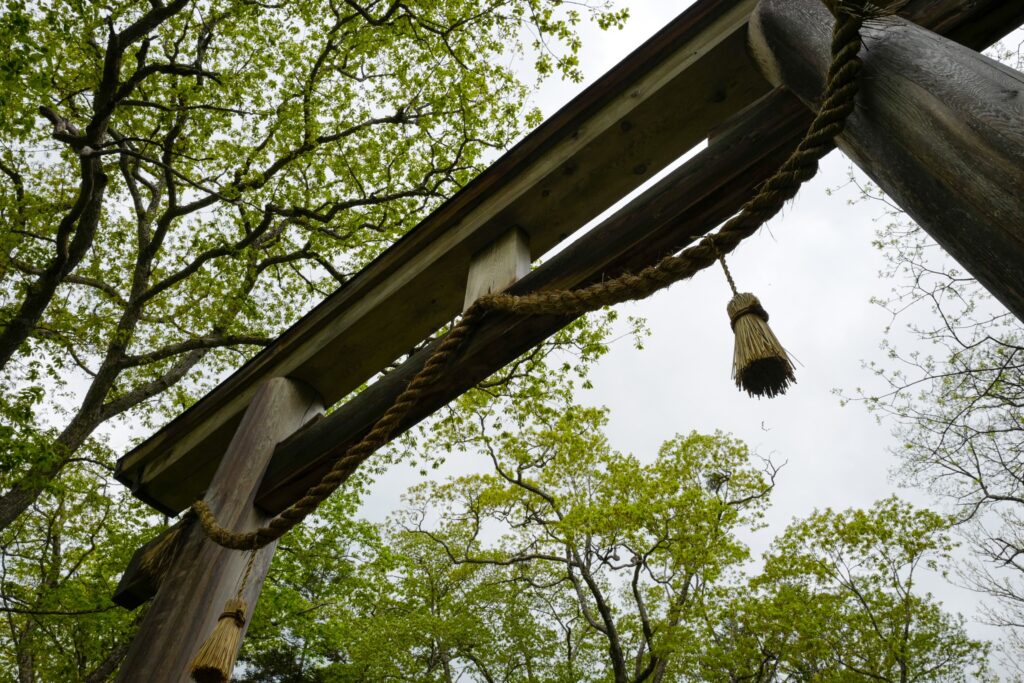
258,155
329,565
952,387
569,561
179,181
59,564
349,601
836,601
638,544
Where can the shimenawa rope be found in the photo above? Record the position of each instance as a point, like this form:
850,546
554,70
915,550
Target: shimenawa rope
837,103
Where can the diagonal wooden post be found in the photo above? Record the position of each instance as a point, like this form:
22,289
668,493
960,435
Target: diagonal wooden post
193,591
939,127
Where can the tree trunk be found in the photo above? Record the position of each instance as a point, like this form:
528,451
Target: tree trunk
939,128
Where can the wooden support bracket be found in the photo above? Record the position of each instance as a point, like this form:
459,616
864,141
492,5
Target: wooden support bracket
493,269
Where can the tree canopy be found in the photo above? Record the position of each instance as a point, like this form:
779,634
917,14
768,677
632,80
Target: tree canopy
568,561
180,180
183,179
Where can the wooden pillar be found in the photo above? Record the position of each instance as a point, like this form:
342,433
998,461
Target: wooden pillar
939,128
192,593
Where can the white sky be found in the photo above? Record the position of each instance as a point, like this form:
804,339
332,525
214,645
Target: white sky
815,270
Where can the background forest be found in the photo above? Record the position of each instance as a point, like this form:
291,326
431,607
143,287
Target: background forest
181,180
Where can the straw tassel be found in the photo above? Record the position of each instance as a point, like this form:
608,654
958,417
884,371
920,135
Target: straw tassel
760,364
216,658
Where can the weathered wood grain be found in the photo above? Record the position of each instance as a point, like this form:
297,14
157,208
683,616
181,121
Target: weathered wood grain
976,24
939,127
684,205
498,265
192,593
641,116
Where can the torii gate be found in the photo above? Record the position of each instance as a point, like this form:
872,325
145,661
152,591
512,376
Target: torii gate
939,127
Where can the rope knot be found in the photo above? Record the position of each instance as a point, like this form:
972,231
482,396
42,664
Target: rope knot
745,303
237,615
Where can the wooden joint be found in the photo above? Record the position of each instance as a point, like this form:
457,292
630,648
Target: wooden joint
497,266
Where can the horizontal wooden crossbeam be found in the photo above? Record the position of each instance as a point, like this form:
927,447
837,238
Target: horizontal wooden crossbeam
677,210
686,204
682,206
645,113
659,102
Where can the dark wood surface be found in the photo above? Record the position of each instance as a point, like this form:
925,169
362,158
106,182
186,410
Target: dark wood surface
136,585
193,591
939,127
613,249
647,111
686,204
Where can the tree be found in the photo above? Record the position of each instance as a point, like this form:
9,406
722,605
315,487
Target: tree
570,562
391,607
567,561
179,180
209,169
347,600
59,565
636,545
954,393
616,553
323,568
837,601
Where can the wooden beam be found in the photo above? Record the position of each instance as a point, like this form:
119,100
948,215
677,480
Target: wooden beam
498,265
747,148
687,203
705,190
976,24
662,99
938,126
653,107
193,590
690,201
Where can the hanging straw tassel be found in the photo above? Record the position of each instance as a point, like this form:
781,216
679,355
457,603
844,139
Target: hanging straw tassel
760,364
216,658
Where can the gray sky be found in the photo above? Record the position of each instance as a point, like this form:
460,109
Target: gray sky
815,270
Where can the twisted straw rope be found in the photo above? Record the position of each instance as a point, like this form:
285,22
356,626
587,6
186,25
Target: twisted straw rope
802,165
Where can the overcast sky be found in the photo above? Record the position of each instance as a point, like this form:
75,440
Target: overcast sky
815,270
